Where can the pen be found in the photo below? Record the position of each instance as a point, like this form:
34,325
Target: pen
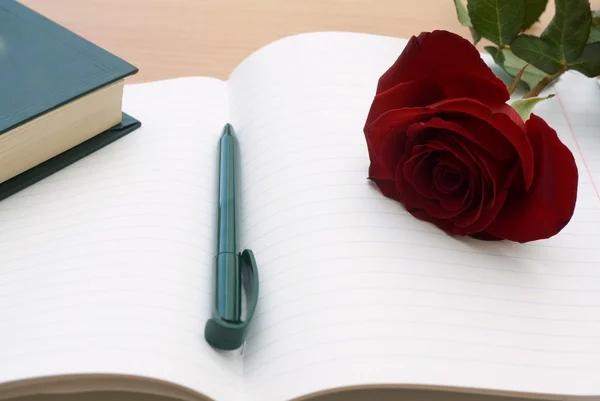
233,272
227,267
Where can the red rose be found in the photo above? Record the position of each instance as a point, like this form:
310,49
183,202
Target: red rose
443,141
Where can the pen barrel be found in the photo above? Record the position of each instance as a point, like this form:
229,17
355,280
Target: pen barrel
228,187
227,269
228,298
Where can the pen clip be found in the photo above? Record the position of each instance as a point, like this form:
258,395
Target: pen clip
227,335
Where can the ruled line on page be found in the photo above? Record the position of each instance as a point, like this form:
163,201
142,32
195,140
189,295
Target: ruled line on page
130,290
112,228
289,267
333,148
357,290
135,314
288,181
193,261
170,359
88,244
438,247
374,272
316,187
149,165
400,337
435,324
347,359
278,171
375,289
111,193
173,338
110,209
123,288
303,138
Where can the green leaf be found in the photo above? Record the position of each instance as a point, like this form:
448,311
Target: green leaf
496,55
465,20
497,20
462,13
533,11
562,42
569,29
589,62
513,64
595,27
538,52
475,35
525,106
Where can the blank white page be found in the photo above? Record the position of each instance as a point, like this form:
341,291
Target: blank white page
105,267
355,291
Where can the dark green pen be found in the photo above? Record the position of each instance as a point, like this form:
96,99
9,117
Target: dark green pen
226,328
227,268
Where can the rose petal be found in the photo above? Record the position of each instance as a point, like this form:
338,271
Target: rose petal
477,201
393,122
480,133
417,155
448,175
474,200
451,61
416,93
406,192
511,113
462,154
485,236
414,199
417,171
547,207
443,224
394,150
504,123
385,183
453,193
387,187
454,147
455,203
496,176
494,197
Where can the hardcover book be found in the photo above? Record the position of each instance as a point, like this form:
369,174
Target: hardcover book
58,92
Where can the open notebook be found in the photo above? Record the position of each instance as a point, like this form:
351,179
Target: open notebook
105,267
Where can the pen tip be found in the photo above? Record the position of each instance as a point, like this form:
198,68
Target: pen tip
228,130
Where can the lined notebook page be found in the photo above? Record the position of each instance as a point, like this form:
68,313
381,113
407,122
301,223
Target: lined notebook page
105,267
354,290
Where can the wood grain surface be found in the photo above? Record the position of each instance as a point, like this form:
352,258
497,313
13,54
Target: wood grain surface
174,38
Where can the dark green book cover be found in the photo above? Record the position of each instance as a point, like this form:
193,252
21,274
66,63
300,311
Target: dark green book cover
44,66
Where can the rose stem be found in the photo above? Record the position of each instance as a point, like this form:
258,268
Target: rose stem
547,80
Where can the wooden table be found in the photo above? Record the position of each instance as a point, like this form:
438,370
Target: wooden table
174,38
